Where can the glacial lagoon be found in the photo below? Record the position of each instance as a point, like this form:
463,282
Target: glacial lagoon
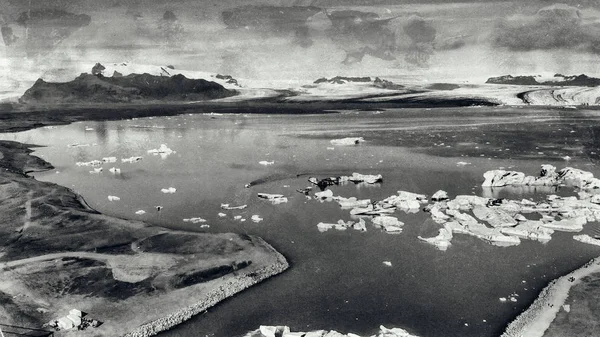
338,279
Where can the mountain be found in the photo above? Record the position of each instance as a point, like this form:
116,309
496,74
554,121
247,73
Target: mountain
133,88
558,80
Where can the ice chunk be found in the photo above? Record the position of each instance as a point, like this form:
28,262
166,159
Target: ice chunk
169,190
442,240
114,170
256,218
131,159
222,215
462,163
162,149
113,198
567,225
352,202
265,163
109,159
357,178
194,220
503,178
347,141
360,225
387,263
439,196
389,223
275,199
237,217
140,212
228,207
96,170
495,217
327,194
587,239
89,163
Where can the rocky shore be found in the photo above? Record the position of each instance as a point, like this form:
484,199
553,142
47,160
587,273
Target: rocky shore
535,321
223,291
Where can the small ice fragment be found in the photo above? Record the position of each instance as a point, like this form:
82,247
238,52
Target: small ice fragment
204,226
109,159
237,217
194,220
96,170
163,150
439,196
387,263
113,198
256,218
87,128
140,212
131,159
502,299
347,141
114,170
330,148
567,158
222,215
462,163
324,195
227,207
566,307
169,190
265,163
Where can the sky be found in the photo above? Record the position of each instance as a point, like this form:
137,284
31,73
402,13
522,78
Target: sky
300,40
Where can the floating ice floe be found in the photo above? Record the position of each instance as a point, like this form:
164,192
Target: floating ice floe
204,226
442,240
587,239
275,199
347,141
284,331
78,145
327,194
228,207
387,263
389,223
222,215
548,177
237,217
462,163
266,163
194,220
163,151
357,178
113,198
343,225
404,200
140,212
109,159
131,159
169,190
89,163
352,202
96,170
114,170
256,218
439,196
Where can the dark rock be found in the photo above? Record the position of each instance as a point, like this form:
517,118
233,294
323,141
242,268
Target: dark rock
133,88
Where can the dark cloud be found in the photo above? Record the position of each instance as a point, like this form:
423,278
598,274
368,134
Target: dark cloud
422,35
362,33
557,26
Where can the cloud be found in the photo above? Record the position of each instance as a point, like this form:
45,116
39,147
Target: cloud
557,26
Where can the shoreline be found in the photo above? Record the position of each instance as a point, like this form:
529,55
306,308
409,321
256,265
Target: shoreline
224,291
537,318
73,211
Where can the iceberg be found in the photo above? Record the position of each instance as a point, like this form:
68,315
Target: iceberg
169,190
347,141
587,239
131,159
275,199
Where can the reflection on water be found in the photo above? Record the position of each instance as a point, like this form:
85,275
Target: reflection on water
338,279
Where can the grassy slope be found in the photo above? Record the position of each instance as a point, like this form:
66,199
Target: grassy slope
56,253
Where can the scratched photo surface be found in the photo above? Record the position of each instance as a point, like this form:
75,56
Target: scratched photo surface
317,168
